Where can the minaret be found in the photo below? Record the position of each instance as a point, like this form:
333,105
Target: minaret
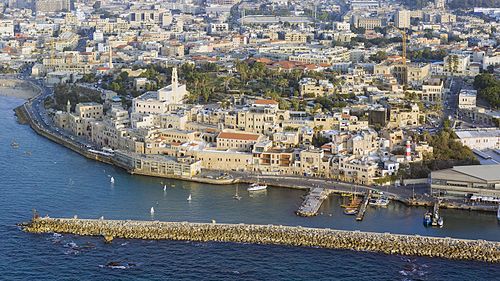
110,64
68,107
175,79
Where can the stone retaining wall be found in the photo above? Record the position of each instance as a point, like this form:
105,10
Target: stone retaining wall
412,245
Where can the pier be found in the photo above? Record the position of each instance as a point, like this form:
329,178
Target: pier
312,202
362,207
387,243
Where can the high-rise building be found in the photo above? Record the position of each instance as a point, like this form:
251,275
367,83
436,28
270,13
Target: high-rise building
402,19
52,6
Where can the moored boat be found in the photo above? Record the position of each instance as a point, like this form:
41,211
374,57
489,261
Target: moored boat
427,219
381,201
257,187
350,211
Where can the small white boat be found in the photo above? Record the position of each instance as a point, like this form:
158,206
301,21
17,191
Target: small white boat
152,211
257,187
112,180
382,201
440,222
14,144
165,188
189,197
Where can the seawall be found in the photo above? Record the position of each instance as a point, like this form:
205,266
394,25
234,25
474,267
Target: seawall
411,245
24,117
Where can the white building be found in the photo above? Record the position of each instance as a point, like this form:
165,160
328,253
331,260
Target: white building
158,102
485,138
467,99
6,28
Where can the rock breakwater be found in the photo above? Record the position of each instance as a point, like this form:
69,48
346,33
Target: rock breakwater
411,245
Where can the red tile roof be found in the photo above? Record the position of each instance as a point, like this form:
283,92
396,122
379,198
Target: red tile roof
266,102
238,136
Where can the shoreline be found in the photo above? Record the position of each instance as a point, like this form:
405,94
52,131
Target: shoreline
25,118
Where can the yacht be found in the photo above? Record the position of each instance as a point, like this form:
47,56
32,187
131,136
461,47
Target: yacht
381,201
257,187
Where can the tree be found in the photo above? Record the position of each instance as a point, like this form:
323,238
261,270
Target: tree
379,56
488,88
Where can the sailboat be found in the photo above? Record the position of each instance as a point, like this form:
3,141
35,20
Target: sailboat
112,180
152,211
236,196
165,188
189,198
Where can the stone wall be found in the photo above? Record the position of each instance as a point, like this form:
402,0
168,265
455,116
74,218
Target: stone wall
412,245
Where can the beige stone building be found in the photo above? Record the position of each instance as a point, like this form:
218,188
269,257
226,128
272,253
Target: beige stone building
237,141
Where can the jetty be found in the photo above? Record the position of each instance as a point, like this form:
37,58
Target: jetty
312,202
364,204
387,243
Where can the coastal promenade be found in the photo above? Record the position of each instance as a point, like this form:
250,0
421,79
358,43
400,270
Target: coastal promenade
410,245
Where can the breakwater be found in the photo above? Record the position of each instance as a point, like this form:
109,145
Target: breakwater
411,245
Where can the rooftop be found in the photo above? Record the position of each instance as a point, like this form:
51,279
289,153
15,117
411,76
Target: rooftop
238,136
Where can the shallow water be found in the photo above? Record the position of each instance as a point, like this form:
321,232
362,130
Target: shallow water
59,182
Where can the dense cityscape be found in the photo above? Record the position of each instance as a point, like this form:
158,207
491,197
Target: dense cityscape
375,102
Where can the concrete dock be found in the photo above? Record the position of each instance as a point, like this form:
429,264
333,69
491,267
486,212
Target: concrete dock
312,202
386,243
362,207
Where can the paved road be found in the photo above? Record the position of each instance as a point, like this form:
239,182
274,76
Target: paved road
37,112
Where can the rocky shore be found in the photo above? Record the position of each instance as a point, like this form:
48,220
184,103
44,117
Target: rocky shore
410,245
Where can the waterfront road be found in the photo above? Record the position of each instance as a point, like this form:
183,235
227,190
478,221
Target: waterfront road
418,191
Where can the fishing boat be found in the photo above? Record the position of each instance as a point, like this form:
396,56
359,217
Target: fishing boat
354,203
257,187
382,201
112,180
236,196
152,211
189,198
427,219
350,211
